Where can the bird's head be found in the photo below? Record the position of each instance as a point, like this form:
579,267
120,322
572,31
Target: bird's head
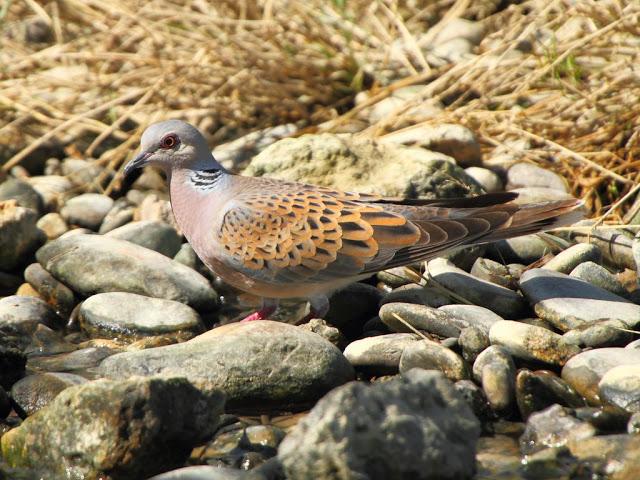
171,145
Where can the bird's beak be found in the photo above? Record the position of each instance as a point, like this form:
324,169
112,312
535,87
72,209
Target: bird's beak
138,162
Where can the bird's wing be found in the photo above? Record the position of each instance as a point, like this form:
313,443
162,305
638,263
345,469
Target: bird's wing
289,232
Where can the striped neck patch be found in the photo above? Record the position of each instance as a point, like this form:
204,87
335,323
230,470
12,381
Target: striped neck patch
205,179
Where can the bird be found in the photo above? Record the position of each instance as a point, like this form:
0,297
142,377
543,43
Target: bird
279,239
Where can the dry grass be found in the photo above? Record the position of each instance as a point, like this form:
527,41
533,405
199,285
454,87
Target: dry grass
230,67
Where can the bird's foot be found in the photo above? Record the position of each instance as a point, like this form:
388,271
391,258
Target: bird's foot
261,314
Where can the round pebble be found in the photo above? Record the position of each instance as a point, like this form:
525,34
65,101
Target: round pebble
397,315
380,354
570,258
87,210
620,387
495,371
432,356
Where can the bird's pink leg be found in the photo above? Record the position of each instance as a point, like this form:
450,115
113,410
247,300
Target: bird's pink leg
268,307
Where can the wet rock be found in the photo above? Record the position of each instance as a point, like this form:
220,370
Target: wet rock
473,341
34,392
87,210
363,166
130,316
55,293
418,295
22,193
380,354
78,361
607,333
600,277
532,343
20,316
489,180
606,418
525,249
326,331
350,307
500,300
92,264
528,175
145,425
568,302
553,427
570,258
53,225
420,317
364,431
154,235
609,456
494,272
120,214
45,341
495,371
472,315
433,356
584,371
620,387
538,390
287,365
12,365
19,236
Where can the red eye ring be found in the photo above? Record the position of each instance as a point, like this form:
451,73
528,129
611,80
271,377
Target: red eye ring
169,141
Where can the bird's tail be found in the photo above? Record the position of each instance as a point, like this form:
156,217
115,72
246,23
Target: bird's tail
536,217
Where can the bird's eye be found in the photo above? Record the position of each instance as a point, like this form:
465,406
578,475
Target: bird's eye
169,141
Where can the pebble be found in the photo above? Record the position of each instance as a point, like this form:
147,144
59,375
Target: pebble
532,343
539,194
130,316
19,235
475,398
460,28
51,188
45,341
380,354
22,193
567,302
399,276
20,316
34,392
186,255
429,355
55,293
525,249
87,210
116,423
91,264
500,300
616,247
420,409
452,51
567,260
464,257
620,387
553,427
53,225
585,370
600,277
79,361
120,214
420,317
157,236
81,172
326,331
206,472
609,456
540,389
494,272
607,333
456,141
489,180
473,316
473,341
529,175
633,426
418,295
495,371
286,364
